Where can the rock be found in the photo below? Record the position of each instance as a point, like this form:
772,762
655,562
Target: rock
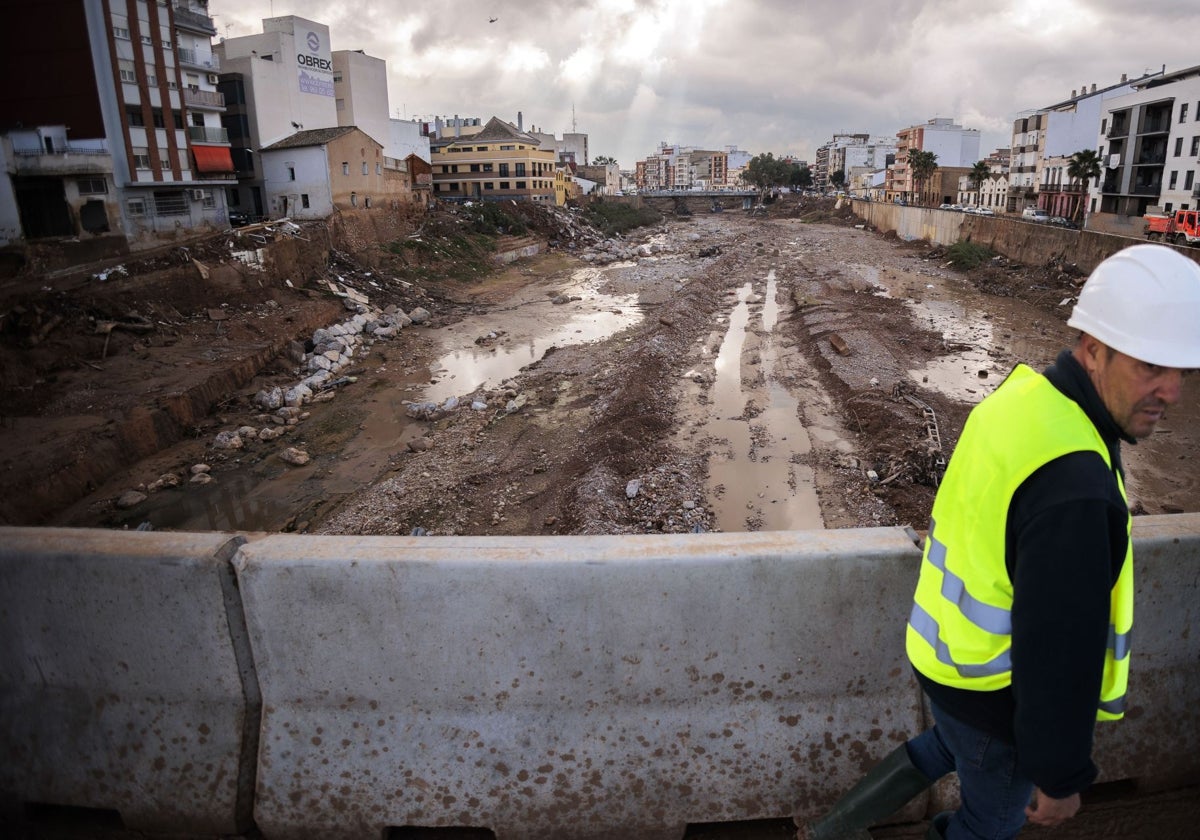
517,403
689,505
201,478
295,457
632,488
269,399
295,352
420,315
385,332
559,300
198,469
297,395
288,412
245,432
227,440
270,433
419,445
321,336
478,405
130,499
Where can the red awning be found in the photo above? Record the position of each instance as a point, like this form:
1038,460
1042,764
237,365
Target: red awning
213,159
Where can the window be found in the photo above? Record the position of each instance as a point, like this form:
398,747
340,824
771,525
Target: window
156,115
170,203
488,185
504,185
127,73
340,104
1168,207
503,170
520,185
209,201
291,171
1183,112
1195,146
364,167
337,77
1188,180
1174,178
508,148
474,167
345,167
136,207
134,116
520,170
141,158
92,186
353,199
304,200
1178,146
121,32
379,169
147,40
487,167
151,79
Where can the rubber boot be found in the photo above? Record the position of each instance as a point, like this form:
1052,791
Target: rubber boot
937,826
880,793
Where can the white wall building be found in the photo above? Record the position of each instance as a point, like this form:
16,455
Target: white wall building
405,138
361,95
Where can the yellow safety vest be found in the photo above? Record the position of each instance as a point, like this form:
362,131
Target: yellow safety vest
960,631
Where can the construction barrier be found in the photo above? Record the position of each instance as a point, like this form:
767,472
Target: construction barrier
578,687
125,679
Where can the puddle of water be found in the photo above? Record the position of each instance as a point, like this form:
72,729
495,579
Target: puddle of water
263,496
754,480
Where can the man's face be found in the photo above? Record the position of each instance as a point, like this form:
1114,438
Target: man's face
1136,393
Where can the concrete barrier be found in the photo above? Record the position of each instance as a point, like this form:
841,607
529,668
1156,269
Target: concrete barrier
125,683
573,687
576,687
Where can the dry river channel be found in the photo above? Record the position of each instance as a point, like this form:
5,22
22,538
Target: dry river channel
760,394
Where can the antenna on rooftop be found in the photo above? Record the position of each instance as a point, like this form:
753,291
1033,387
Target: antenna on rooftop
572,117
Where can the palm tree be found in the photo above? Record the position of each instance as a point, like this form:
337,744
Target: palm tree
979,173
922,164
1084,166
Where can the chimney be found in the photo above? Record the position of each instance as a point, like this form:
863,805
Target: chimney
1093,87
1073,92
1124,78
520,121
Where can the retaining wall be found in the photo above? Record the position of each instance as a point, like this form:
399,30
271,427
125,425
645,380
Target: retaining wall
1032,243
537,687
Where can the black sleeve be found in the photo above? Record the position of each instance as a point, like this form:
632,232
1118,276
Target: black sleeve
1067,542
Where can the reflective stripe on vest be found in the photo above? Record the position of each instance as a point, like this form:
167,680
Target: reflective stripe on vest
960,628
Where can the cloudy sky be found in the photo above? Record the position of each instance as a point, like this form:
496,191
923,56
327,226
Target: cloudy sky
763,75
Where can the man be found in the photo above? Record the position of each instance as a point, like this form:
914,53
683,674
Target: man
1020,626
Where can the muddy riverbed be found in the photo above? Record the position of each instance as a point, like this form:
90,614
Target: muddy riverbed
799,375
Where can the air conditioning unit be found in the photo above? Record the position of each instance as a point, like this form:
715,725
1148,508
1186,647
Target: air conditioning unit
197,195
213,78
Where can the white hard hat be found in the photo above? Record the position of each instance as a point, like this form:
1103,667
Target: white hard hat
1144,302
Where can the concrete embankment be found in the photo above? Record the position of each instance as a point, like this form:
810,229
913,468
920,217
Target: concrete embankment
534,687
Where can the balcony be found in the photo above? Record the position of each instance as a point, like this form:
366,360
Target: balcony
196,58
1151,159
68,161
195,98
197,21
1118,130
1153,188
206,134
1158,125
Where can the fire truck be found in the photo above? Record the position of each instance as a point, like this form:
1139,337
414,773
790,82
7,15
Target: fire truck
1182,227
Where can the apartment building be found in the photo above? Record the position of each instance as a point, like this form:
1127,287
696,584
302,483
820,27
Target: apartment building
827,159
956,147
1043,138
118,136
1149,143
276,83
498,162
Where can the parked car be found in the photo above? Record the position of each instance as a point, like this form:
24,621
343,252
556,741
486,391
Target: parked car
945,206
238,218
1062,221
984,211
1035,214
957,207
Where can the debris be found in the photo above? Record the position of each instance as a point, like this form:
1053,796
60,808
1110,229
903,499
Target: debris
839,344
295,457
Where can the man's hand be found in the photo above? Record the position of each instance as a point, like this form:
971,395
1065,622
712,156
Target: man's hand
1046,810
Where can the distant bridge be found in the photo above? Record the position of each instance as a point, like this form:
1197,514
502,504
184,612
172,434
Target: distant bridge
693,201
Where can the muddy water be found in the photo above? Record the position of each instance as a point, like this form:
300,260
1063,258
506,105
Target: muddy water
361,432
755,479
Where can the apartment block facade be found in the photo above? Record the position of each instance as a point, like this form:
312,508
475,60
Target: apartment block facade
1149,144
496,163
121,137
956,147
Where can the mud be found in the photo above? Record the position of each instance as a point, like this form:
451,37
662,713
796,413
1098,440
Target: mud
779,382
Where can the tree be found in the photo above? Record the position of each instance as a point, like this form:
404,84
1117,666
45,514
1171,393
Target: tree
837,178
979,173
765,172
1083,167
800,177
603,160
922,164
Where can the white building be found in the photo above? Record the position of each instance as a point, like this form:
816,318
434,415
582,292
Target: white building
1149,142
361,95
